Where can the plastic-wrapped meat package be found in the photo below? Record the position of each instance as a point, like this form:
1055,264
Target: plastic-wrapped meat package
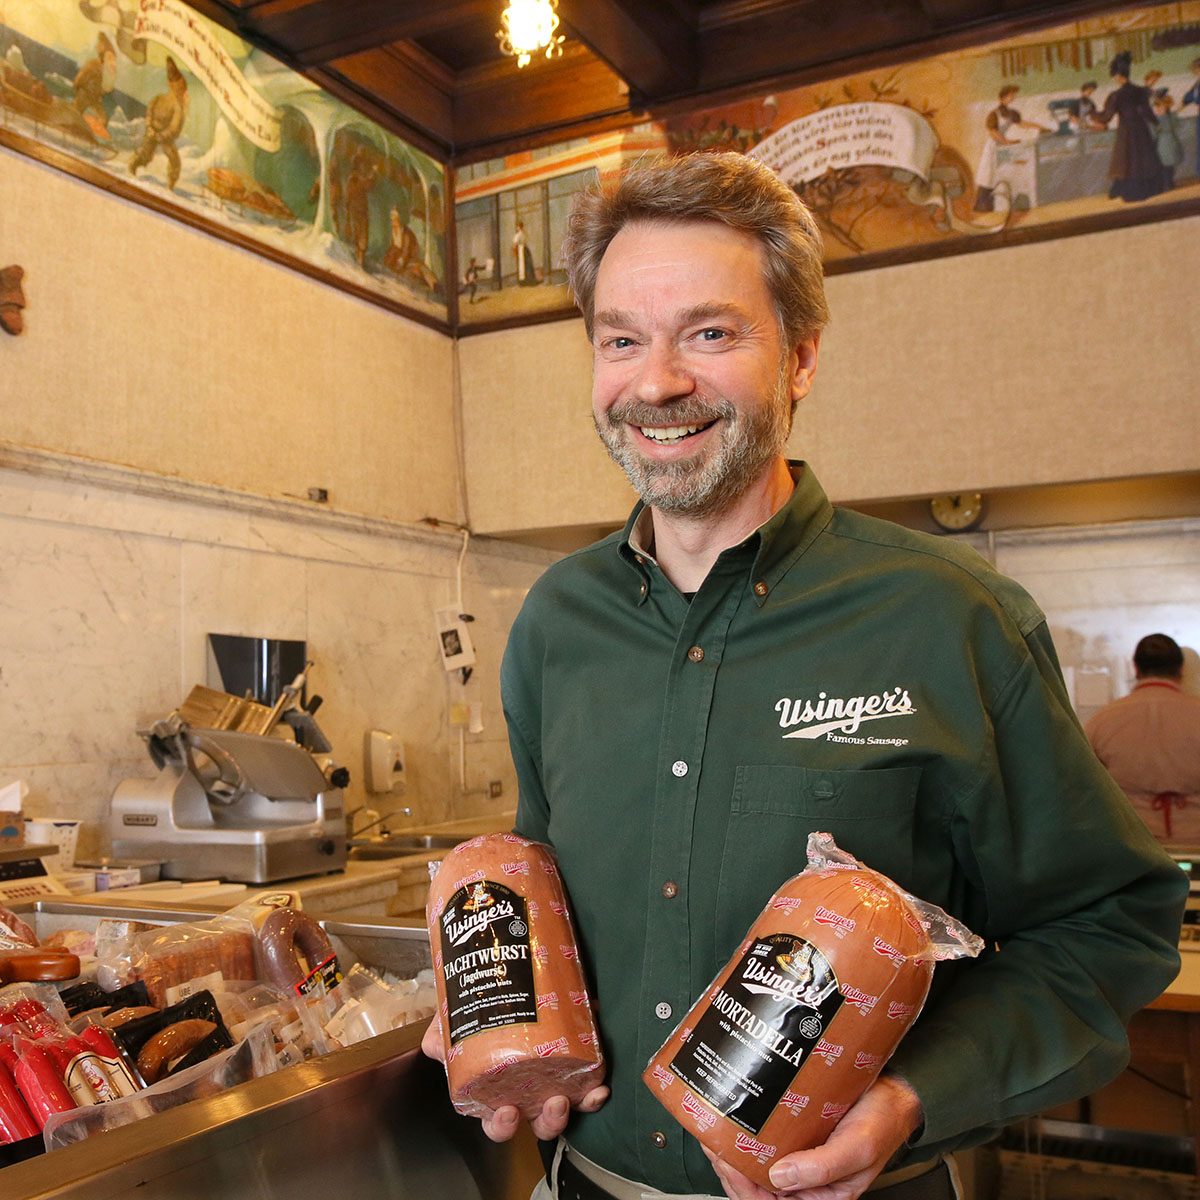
513,1007
168,958
805,1014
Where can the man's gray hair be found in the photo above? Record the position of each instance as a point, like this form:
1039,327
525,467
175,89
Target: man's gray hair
732,188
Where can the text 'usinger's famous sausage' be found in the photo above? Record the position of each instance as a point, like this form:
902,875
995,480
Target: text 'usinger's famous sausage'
513,1007
805,1015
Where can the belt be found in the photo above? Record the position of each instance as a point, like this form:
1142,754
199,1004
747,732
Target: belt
578,1178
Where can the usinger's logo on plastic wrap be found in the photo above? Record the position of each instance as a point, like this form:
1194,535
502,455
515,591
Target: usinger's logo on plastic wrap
663,1077
794,1102
887,950
860,999
705,1118
829,1051
546,1049
839,924
898,1011
753,1147
834,1112
863,1060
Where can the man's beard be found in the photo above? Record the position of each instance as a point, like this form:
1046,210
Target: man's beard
699,486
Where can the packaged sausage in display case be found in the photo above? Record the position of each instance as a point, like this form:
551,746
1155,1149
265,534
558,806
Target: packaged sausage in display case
806,1013
513,1007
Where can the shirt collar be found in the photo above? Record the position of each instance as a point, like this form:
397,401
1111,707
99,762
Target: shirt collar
777,543
1157,681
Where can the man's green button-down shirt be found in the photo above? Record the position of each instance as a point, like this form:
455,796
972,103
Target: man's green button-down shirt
833,672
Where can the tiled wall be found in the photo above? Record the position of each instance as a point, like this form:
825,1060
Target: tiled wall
107,593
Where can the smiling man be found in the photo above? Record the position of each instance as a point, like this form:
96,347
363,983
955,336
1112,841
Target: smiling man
744,664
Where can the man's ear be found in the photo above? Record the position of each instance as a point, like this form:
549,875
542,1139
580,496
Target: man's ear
803,366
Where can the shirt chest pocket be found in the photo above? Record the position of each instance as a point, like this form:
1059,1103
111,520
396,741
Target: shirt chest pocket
773,810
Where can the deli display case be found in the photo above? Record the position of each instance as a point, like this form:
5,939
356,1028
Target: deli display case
369,1119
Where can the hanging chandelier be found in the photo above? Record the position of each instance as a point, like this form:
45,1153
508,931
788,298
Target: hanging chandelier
527,26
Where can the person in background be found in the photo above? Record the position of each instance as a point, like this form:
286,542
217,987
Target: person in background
1192,96
999,121
1087,108
165,116
744,664
526,272
1134,169
1150,742
1166,137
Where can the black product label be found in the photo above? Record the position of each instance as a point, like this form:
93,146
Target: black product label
486,960
758,1029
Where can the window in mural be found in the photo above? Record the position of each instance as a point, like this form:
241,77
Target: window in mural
508,241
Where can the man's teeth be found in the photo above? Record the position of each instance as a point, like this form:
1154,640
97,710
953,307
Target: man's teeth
670,433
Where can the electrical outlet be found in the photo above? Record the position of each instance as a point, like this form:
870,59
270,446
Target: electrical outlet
495,788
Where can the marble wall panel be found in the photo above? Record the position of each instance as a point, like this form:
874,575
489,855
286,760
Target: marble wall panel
89,626
107,594
241,592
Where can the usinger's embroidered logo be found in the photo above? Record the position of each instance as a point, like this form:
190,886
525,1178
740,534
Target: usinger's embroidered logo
828,715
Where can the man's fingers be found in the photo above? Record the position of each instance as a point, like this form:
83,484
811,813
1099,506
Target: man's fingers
593,1100
733,1183
431,1043
553,1118
502,1124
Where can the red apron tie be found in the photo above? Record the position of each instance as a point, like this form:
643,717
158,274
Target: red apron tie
1163,803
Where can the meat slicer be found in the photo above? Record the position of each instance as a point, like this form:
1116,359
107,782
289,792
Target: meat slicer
230,804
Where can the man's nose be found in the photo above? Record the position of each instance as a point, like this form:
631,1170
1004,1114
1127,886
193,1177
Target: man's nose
664,375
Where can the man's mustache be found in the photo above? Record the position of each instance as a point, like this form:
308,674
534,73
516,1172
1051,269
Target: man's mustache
678,412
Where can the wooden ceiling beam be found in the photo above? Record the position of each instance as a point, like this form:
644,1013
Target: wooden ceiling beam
495,106
648,45
397,89
315,32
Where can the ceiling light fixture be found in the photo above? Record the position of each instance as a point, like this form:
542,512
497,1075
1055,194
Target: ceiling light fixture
527,26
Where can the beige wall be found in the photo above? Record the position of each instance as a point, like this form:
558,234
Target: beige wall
219,383
155,346
1037,364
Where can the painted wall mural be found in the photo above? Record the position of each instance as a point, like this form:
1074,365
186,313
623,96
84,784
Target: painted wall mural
155,101
1072,128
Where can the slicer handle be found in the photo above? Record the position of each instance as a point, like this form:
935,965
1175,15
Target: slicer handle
230,772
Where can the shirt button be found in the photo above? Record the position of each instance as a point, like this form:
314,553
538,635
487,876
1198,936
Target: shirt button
659,1139
637,558
662,1010
679,768
670,889
696,654
760,588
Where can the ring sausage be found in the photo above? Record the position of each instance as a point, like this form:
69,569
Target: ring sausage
169,1044
285,934
515,1016
119,1017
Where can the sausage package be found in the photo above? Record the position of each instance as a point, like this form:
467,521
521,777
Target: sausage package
805,1014
516,1019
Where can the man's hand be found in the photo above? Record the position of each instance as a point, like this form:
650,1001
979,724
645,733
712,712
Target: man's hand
503,1123
844,1167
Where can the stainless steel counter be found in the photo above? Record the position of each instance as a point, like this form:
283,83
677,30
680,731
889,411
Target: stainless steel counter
372,1120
